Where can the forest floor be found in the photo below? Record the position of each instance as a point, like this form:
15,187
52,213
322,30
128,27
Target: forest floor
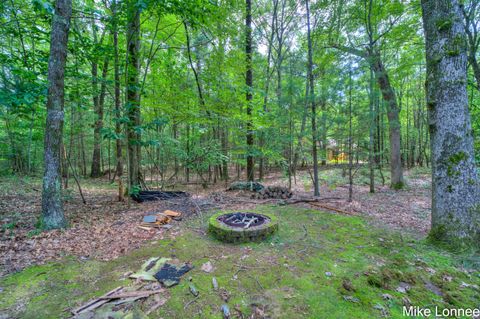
370,261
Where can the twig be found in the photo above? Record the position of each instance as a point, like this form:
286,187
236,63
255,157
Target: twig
76,179
190,302
333,209
306,232
258,282
249,267
308,200
156,306
121,295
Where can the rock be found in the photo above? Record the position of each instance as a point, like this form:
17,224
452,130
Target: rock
224,294
351,299
382,309
207,267
403,287
225,311
379,307
214,283
387,297
430,270
347,284
430,286
406,302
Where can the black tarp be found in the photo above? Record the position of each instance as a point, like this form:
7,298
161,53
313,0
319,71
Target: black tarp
144,196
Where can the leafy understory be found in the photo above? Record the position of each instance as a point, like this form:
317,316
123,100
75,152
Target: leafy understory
319,264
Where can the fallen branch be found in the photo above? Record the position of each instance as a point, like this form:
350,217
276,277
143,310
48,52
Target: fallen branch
307,200
156,306
190,302
333,209
93,304
129,294
76,180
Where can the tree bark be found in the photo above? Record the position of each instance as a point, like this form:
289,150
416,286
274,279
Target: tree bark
455,184
311,96
52,205
471,16
97,137
95,169
133,94
371,142
118,127
393,111
249,87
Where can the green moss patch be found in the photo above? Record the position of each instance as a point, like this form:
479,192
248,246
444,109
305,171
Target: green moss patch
318,265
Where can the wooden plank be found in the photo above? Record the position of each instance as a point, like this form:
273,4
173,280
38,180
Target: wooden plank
95,303
128,294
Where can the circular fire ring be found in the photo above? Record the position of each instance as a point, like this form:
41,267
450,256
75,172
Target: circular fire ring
241,227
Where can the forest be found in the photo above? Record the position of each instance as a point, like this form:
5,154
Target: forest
239,159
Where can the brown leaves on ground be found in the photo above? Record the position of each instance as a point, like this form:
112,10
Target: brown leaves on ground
103,229
408,209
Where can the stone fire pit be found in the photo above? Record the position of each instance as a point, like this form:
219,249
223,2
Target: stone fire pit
240,227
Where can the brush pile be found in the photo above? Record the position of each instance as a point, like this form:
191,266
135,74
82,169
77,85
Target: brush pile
273,192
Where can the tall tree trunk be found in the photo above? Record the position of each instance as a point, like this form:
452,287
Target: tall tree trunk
261,142
118,127
323,128
133,94
350,142
455,184
312,100
374,59
393,111
52,205
192,66
249,85
96,171
371,142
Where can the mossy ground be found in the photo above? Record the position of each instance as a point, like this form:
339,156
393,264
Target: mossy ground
298,273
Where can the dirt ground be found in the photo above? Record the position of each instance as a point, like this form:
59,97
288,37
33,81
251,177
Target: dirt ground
105,229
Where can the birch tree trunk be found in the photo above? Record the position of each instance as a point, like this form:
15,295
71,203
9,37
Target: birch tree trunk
455,184
52,205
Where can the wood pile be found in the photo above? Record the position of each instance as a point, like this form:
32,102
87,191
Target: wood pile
245,186
157,220
273,192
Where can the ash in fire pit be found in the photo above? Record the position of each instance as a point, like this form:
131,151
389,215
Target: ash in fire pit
243,220
242,226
